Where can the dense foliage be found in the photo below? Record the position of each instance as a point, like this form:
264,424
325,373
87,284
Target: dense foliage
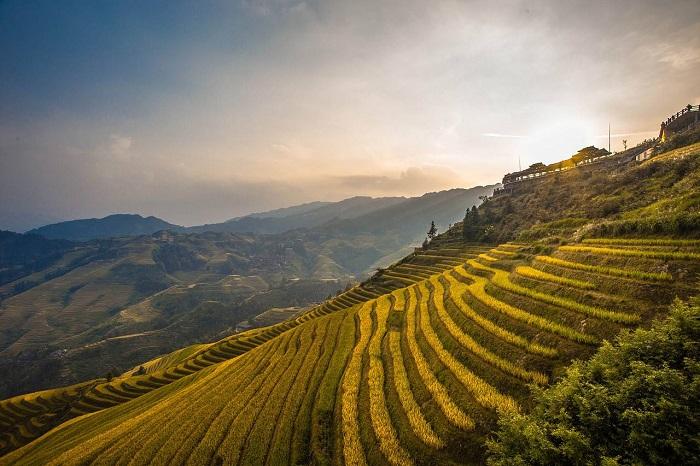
635,402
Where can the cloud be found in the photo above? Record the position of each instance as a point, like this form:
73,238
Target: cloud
270,7
294,152
679,57
501,135
621,135
119,145
412,181
281,148
679,48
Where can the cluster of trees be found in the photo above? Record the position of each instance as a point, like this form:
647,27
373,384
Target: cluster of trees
471,225
635,402
480,223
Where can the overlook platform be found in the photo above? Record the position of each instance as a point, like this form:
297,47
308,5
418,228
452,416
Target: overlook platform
686,119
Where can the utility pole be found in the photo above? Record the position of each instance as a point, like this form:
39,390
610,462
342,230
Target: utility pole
609,138
520,167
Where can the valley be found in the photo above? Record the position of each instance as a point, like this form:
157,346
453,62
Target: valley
104,305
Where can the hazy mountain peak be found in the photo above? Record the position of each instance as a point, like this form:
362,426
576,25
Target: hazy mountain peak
122,224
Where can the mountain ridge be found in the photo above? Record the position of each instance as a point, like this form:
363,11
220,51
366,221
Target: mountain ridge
308,215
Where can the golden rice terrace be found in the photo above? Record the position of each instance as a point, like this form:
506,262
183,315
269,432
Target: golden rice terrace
412,367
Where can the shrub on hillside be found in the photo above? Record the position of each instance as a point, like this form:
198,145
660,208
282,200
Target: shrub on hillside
635,402
679,140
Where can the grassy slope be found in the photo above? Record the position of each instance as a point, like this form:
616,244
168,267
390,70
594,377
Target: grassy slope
615,197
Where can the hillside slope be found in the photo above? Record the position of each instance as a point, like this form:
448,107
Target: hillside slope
617,196
412,367
430,363
444,207
22,255
115,303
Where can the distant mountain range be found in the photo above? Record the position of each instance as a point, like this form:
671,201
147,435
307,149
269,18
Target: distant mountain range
111,226
286,211
303,216
360,213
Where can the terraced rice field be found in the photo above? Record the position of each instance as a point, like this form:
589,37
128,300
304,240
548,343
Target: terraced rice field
28,419
415,375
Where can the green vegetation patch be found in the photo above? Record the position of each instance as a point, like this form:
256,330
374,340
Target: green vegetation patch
634,402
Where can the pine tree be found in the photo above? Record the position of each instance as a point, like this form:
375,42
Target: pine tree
432,232
470,227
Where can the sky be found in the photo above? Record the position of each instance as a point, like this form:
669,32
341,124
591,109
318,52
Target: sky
198,112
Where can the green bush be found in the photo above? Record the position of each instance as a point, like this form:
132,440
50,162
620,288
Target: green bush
679,140
634,402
